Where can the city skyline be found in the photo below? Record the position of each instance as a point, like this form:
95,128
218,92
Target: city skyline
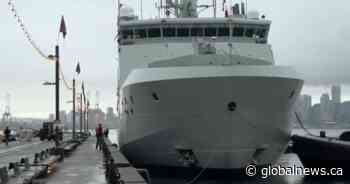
331,110
298,39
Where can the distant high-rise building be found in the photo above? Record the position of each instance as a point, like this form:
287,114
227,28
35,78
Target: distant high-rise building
304,105
336,94
110,114
51,117
307,101
96,116
336,101
326,114
63,116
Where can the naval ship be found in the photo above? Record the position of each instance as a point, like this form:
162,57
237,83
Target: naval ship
202,91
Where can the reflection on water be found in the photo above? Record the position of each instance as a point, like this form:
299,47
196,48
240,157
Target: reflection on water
166,176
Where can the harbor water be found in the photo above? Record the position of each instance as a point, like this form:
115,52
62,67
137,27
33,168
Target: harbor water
169,176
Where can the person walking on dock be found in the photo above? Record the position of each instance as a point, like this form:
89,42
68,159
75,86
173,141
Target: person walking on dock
7,135
99,136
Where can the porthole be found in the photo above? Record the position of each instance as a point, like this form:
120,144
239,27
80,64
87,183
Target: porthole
232,106
155,96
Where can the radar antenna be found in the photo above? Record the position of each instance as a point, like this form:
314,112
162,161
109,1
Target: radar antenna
184,8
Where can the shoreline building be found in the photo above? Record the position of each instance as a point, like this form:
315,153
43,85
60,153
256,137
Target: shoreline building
336,101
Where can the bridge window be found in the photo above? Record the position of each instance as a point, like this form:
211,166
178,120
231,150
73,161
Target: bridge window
127,34
223,31
261,33
197,31
249,32
183,32
140,33
169,32
210,31
154,32
238,32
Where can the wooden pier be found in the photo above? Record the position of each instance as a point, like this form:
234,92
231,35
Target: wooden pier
77,162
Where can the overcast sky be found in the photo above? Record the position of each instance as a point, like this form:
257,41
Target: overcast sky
311,35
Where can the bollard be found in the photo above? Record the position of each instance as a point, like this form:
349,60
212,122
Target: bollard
62,154
26,164
22,160
36,157
16,169
117,174
52,151
323,134
11,165
45,154
4,176
42,155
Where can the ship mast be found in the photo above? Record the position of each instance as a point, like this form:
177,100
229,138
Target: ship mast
191,8
184,8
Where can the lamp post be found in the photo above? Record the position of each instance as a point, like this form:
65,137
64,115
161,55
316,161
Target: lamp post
84,116
77,70
83,97
84,112
87,115
57,81
62,30
81,112
56,58
73,121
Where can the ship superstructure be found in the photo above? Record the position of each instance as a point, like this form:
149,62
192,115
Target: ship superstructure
202,91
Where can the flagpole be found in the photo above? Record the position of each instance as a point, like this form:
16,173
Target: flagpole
57,81
73,132
81,113
118,86
57,68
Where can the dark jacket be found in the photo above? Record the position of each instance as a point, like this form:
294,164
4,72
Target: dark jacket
7,132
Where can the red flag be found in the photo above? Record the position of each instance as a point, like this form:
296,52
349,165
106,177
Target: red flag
63,28
77,69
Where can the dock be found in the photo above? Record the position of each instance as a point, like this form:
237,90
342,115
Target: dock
76,162
117,164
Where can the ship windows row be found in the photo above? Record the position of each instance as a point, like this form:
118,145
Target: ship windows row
193,32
